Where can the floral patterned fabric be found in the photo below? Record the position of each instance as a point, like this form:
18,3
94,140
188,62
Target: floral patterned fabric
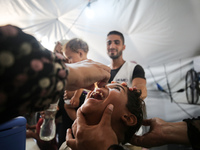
31,77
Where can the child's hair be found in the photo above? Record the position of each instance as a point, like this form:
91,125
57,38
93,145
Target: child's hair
137,107
75,44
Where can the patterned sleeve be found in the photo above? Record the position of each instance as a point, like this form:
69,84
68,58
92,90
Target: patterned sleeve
31,77
193,126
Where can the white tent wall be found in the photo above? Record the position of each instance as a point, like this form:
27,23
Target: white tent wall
156,31
170,106
161,35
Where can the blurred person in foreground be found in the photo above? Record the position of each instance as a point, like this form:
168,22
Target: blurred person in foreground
32,77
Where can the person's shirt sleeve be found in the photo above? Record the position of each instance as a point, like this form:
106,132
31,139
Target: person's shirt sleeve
193,130
138,72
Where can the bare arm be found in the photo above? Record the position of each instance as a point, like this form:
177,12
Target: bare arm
70,111
162,133
85,73
75,99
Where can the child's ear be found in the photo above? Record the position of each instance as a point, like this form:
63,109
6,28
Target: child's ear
80,53
129,119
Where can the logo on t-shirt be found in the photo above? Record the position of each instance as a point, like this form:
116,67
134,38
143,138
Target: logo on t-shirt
122,80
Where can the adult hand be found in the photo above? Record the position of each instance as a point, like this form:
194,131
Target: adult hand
68,94
98,137
85,73
162,133
74,102
153,137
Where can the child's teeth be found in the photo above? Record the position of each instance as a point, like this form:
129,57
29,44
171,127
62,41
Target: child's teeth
101,95
98,93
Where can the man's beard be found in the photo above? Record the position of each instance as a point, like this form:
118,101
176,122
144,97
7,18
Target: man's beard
116,56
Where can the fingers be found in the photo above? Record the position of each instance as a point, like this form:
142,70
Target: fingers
106,118
65,95
74,128
69,134
93,72
106,68
104,80
102,83
147,122
136,140
69,139
91,87
80,118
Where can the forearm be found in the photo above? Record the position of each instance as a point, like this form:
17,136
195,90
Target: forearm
85,73
162,133
71,113
72,78
175,133
79,76
78,93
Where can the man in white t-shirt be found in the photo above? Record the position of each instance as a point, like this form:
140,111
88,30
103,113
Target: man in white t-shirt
121,70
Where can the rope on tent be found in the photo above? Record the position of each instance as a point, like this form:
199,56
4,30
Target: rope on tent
75,20
160,88
88,5
170,94
157,84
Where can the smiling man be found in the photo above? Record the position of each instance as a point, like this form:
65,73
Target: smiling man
121,70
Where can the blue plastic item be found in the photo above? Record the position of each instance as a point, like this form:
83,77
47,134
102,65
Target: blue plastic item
13,134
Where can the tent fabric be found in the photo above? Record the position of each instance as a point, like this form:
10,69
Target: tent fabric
163,36
170,104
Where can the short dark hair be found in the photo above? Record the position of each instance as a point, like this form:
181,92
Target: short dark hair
75,44
137,107
117,33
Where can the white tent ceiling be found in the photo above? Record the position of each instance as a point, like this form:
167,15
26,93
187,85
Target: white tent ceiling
157,33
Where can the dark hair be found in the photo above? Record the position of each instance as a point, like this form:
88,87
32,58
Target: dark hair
75,44
137,107
117,33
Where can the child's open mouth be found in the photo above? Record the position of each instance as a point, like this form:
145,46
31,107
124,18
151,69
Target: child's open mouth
97,95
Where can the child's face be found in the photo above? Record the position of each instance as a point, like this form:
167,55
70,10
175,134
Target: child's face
97,100
72,57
